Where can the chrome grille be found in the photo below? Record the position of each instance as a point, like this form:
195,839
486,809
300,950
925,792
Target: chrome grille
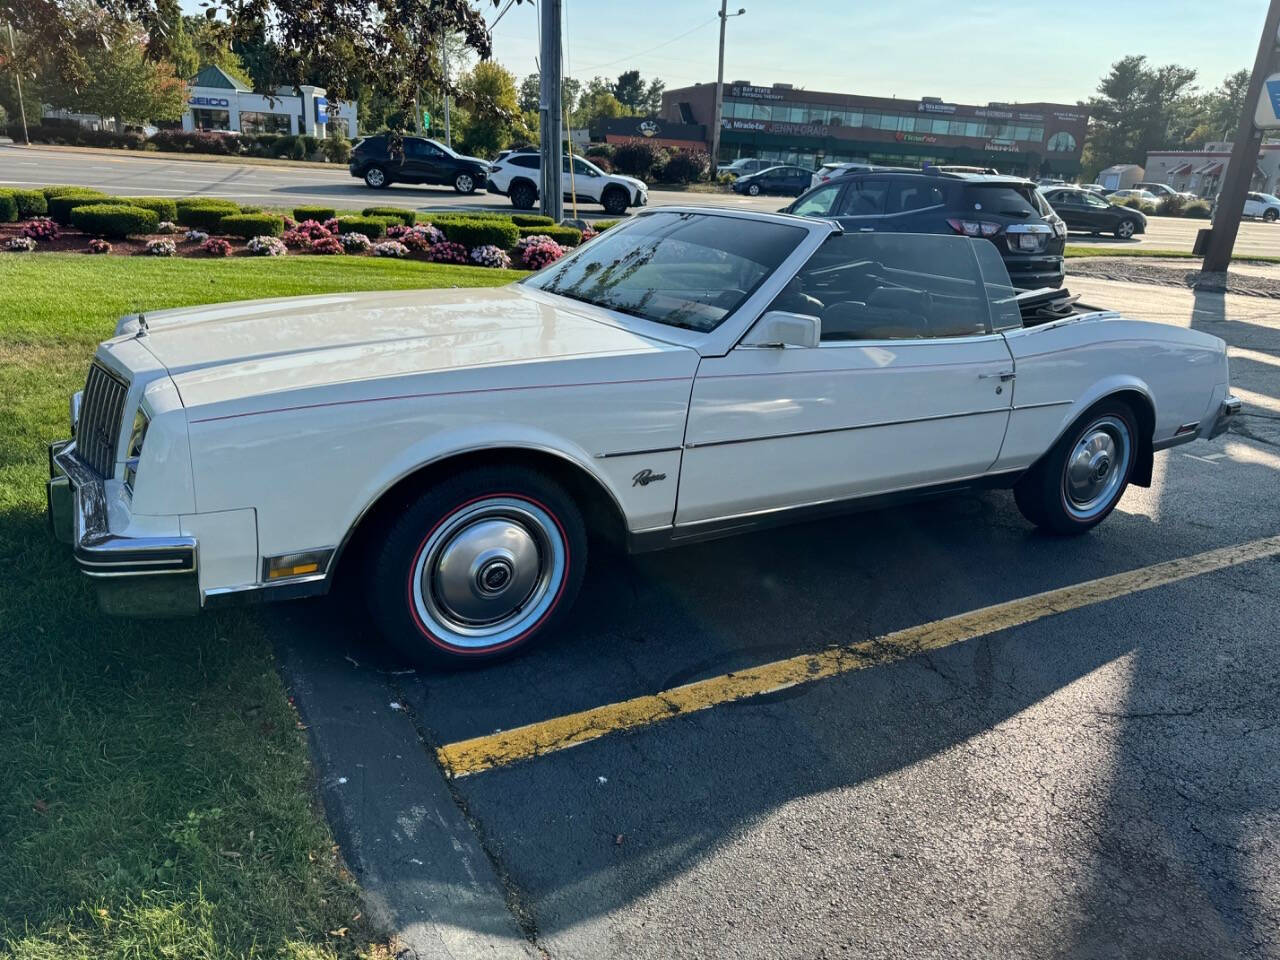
98,432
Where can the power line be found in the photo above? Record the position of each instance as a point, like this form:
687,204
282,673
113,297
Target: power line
641,53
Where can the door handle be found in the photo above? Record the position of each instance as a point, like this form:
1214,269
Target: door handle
1004,376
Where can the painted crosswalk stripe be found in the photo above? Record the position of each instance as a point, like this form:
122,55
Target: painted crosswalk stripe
559,733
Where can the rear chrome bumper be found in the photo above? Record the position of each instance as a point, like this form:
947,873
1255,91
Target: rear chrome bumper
135,576
1226,413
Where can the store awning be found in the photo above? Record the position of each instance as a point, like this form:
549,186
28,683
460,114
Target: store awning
1181,170
1211,169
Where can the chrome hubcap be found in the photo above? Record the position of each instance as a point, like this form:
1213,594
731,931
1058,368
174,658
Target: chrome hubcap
375,177
489,572
464,183
1096,467
1126,230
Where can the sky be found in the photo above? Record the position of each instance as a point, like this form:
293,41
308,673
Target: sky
970,52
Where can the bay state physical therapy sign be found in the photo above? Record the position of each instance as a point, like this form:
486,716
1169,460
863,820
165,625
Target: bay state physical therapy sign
1267,115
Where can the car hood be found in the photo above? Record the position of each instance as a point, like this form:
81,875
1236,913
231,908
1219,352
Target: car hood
486,164
239,351
632,182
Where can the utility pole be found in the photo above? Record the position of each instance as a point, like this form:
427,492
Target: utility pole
549,110
715,129
17,76
1244,155
444,59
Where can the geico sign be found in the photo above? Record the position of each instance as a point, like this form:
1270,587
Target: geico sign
209,102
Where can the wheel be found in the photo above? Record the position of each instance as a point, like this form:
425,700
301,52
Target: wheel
1270,215
1079,482
614,201
464,183
376,178
1125,228
753,189
523,195
478,567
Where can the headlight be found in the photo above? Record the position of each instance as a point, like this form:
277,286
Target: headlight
133,452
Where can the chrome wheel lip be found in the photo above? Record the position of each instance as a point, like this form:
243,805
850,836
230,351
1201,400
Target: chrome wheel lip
464,183
1096,468
471,587
375,177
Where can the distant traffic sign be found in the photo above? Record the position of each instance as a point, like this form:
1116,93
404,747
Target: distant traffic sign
1267,115
426,120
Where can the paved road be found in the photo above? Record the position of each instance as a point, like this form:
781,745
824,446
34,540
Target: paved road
1096,784
289,186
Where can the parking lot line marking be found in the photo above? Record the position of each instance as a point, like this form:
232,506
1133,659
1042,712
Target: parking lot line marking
559,733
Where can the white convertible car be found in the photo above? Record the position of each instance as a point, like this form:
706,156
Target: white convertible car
688,374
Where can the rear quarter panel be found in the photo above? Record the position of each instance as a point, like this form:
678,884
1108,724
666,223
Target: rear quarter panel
1065,368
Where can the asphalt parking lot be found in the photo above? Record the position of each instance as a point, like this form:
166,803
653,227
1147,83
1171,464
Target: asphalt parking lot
286,186
1089,774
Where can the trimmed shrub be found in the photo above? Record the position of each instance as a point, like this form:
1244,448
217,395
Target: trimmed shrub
327,245
184,202
204,217
491,256
114,220
60,207
216,247
166,226
597,150
31,203
1172,206
355,243
371,227
565,236
1197,210
8,207
249,208
61,189
447,252
638,159
407,217
687,167
165,207
390,248
336,150
267,247
481,232
319,214
249,225
538,255
532,220
600,226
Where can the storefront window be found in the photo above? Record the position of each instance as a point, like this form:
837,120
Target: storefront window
254,122
211,119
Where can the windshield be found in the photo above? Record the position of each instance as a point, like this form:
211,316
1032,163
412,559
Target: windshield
688,270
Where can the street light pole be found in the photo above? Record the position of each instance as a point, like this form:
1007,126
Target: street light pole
549,111
1244,155
715,130
17,75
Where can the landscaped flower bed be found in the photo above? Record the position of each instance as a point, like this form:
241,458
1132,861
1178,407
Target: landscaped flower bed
81,220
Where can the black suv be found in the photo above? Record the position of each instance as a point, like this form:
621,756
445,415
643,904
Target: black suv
1008,211
419,161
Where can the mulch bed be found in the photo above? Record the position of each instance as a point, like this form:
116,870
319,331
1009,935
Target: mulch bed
1133,270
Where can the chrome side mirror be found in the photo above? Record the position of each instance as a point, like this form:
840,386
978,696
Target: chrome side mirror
778,329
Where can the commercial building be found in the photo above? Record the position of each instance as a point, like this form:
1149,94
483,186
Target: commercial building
218,101
809,127
1202,171
664,133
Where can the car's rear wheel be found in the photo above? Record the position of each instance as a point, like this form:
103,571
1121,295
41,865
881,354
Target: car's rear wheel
1126,228
1270,215
376,178
464,183
523,195
753,189
1079,482
478,567
614,201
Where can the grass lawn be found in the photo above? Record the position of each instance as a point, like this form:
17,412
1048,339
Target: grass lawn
157,797
1073,251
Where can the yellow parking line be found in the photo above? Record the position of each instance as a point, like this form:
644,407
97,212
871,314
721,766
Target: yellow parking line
498,749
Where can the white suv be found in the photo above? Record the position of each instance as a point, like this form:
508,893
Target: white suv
517,176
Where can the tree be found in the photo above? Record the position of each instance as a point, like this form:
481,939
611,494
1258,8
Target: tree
531,93
126,85
630,90
596,105
488,92
653,96
349,45
1223,106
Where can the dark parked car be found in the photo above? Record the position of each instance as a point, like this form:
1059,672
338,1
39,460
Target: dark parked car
419,161
789,180
1008,211
1085,210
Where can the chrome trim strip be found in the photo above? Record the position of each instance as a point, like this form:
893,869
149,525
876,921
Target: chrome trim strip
860,426
312,585
637,453
1175,441
1047,403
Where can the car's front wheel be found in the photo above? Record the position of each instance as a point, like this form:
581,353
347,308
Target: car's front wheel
464,183
376,178
1126,228
614,201
1270,215
523,195
478,567
1077,483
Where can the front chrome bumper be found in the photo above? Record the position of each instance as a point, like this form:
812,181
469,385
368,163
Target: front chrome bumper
135,576
1226,413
